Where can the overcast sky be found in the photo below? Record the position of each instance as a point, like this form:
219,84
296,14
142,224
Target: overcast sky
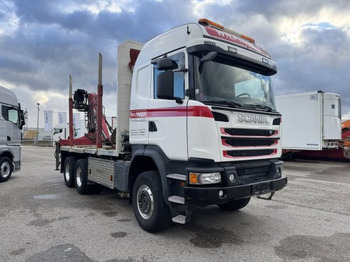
43,41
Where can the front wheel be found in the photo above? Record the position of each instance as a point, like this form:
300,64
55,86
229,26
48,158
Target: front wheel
235,204
5,168
151,211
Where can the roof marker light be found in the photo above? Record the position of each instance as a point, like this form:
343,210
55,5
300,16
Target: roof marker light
207,22
232,49
265,61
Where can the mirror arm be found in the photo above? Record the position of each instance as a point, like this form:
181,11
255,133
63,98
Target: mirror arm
178,100
184,70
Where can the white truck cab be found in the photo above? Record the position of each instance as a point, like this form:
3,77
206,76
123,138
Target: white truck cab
11,123
216,83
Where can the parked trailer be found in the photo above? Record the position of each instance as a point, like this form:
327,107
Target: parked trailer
340,154
310,121
11,123
196,125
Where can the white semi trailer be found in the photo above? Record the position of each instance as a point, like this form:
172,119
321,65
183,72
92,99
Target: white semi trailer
11,123
310,121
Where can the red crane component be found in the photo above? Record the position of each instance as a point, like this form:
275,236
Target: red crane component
99,130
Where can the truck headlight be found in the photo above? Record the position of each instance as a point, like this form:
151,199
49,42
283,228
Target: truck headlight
205,178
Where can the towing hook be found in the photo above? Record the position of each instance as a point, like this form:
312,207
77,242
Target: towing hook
266,198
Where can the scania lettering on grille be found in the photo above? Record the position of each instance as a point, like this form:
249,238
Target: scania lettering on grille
256,119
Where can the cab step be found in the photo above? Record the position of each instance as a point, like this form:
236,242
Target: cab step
180,219
177,200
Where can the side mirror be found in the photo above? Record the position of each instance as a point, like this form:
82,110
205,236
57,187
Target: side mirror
208,57
165,80
165,85
21,119
166,64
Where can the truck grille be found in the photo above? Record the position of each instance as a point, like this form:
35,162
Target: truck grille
249,132
240,143
245,153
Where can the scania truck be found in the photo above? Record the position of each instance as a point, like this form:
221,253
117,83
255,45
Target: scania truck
11,123
196,125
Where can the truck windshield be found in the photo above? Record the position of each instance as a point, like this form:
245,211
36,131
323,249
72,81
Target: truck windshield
218,82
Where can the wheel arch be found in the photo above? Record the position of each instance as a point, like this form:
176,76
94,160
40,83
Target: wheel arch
7,153
147,159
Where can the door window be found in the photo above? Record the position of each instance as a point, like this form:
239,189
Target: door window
10,114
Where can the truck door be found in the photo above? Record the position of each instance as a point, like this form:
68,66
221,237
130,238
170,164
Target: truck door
11,131
331,116
167,117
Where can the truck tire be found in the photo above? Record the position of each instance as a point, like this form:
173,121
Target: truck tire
235,204
5,168
81,178
68,171
151,211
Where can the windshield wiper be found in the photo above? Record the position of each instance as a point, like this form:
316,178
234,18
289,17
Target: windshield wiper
260,107
222,102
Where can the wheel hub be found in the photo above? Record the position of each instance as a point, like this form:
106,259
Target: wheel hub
66,172
79,178
5,169
145,202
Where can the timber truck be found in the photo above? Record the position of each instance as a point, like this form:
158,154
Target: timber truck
196,125
11,124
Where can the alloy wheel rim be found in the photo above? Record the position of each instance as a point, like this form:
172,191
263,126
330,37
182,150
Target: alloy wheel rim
67,173
5,169
79,177
145,202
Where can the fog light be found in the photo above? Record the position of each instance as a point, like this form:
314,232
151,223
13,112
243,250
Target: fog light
232,178
278,171
221,193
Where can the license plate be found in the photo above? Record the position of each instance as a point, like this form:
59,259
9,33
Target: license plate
261,188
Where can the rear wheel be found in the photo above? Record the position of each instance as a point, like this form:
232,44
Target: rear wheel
5,168
151,211
68,171
235,204
81,178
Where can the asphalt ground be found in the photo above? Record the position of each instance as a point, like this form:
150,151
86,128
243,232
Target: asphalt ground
43,220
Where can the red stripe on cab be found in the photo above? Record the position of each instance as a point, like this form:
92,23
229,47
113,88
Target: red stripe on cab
194,111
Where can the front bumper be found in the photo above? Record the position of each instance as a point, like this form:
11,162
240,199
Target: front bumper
211,195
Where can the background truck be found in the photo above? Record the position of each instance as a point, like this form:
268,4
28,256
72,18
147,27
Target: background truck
61,131
346,139
310,121
11,123
196,125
